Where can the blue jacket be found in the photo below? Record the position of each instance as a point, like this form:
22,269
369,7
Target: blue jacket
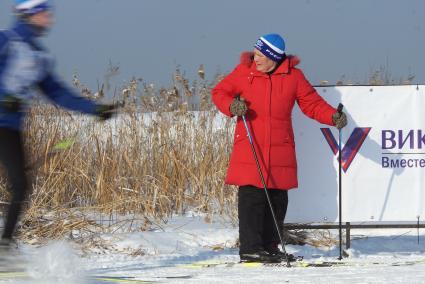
26,66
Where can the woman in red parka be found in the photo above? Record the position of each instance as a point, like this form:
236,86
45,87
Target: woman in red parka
268,84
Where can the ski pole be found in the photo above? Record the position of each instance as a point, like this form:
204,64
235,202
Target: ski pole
265,189
340,107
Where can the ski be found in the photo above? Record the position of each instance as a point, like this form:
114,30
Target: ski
8,275
118,279
129,279
12,274
261,264
298,264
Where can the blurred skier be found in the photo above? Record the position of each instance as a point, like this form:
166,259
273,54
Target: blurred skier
268,84
24,67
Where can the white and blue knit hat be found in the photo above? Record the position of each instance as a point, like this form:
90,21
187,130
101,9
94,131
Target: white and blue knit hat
31,7
272,46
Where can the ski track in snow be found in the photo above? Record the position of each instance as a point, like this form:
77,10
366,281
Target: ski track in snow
188,239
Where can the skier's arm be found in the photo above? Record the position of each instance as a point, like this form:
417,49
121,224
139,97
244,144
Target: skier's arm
3,46
11,104
311,103
225,92
62,95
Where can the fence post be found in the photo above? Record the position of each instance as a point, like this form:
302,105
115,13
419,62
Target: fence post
347,235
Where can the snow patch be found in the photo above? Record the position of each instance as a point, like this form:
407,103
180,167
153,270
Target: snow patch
55,263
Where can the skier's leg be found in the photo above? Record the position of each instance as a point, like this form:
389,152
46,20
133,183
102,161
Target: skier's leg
251,207
13,159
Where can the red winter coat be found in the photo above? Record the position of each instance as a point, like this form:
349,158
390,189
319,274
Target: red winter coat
270,100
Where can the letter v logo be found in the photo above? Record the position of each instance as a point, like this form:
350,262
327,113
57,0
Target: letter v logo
352,146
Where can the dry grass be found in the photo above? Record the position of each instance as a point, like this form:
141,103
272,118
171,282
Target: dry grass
158,158
315,238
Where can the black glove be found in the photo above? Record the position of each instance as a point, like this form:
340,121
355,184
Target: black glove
339,119
238,107
11,103
107,111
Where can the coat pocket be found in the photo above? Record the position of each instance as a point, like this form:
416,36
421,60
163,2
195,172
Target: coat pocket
282,152
283,156
282,135
242,152
240,134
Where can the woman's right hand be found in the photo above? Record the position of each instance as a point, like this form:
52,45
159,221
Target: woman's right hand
238,107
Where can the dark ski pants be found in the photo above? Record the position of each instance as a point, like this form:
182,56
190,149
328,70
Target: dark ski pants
12,158
257,230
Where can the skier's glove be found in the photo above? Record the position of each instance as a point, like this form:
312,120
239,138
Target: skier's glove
106,111
339,119
11,103
238,107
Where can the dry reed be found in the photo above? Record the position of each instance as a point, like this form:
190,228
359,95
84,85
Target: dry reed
165,153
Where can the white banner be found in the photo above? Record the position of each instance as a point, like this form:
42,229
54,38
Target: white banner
383,151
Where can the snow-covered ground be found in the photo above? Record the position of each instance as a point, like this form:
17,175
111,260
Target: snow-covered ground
162,255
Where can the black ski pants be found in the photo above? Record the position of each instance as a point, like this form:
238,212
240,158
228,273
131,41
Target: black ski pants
257,230
12,158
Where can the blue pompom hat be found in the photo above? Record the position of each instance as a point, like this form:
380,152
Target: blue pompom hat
31,7
272,46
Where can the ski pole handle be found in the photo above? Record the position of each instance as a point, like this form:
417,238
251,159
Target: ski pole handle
340,107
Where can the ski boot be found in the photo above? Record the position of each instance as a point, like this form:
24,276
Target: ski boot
10,258
5,246
284,257
260,256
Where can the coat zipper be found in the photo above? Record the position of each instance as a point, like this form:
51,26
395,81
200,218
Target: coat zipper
268,125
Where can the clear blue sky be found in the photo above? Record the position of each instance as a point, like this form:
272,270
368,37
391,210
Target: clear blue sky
149,38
